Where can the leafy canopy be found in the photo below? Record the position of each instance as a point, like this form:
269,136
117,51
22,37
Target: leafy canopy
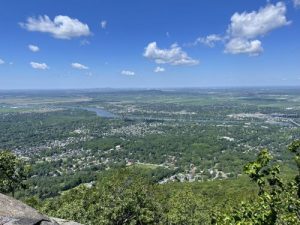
13,172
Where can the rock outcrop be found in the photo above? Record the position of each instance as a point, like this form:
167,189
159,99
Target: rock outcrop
14,212
65,222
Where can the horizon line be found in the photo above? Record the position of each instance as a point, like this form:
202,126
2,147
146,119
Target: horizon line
152,88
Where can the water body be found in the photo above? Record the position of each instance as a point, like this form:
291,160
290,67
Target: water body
102,112
106,114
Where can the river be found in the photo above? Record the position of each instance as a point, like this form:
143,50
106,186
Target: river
101,112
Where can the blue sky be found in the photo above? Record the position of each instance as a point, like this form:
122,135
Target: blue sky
148,44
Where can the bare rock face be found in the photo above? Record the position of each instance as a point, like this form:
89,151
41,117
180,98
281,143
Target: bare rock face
64,222
14,212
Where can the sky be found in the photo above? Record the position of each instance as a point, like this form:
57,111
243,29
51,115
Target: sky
62,44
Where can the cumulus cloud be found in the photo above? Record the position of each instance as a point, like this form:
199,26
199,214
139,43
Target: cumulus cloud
159,69
209,40
62,27
103,24
254,24
296,3
33,48
1,61
39,66
245,28
79,66
127,72
240,45
173,56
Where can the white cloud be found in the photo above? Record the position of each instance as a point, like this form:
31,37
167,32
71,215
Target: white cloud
79,66
33,48
245,28
39,66
209,40
103,24
127,72
254,24
240,45
1,61
62,27
296,3
174,55
159,69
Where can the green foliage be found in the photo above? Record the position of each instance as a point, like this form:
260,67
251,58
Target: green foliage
125,197
258,170
294,148
33,201
13,172
277,203
119,193
120,197
183,209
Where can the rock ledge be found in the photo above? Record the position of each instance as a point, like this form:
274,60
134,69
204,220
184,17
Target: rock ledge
14,212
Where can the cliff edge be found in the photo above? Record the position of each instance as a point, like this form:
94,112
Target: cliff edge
14,212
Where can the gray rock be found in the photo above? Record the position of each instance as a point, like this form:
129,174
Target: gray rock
65,222
14,212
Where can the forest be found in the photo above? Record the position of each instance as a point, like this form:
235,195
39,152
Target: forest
130,196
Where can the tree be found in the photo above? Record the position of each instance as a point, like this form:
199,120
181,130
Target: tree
119,197
295,148
277,203
13,172
184,209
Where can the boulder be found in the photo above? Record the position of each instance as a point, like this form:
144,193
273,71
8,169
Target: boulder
65,222
14,212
